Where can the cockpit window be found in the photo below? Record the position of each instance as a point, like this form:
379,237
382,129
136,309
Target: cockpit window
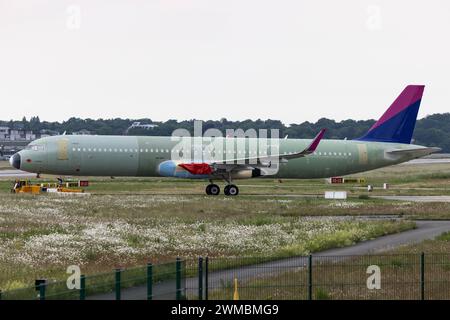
35,147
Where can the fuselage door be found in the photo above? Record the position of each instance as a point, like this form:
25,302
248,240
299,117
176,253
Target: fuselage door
62,146
75,159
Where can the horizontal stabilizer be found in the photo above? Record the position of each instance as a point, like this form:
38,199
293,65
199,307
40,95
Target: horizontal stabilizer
416,152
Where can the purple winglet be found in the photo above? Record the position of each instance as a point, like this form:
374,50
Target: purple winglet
313,146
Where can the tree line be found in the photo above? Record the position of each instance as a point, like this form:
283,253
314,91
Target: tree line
433,130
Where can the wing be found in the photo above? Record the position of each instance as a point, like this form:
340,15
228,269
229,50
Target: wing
250,162
299,154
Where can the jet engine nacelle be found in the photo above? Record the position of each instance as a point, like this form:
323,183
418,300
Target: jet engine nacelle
172,169
246,173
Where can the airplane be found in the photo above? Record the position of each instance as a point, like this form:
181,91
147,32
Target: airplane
387,142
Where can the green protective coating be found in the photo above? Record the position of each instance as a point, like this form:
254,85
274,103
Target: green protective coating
141,156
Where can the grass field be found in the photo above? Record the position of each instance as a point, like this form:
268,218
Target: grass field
128,221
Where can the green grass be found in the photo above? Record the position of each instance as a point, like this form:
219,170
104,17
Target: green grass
444,237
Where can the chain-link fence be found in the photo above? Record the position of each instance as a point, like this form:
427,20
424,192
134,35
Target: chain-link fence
393,277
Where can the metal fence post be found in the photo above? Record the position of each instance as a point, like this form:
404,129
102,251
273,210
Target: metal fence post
310,295
206,277
200,278
42,291
422,276
178,278
149,281
82,287
118,271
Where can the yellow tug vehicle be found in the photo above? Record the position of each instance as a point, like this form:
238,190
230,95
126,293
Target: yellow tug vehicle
25,186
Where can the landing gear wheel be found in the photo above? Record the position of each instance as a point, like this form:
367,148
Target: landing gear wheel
231,190
212,189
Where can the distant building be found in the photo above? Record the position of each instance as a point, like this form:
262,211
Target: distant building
7,134
4,131
13,140
142,125
82,132
138,125
47,133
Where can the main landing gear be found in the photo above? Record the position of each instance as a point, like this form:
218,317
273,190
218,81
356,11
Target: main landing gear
212,189
229,190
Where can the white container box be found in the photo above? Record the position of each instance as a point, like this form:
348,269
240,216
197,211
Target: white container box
340,195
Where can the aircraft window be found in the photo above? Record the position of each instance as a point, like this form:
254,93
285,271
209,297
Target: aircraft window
84,149
95,149
345,153
151,150
167,150
89,149
156,150
73,149
115,149
125,150
146,150
349,154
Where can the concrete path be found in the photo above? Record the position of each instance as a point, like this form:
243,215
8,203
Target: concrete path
416,198
15,173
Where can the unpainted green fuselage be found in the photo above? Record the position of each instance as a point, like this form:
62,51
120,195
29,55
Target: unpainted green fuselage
141,156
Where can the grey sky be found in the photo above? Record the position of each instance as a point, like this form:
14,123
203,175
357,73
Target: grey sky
182,59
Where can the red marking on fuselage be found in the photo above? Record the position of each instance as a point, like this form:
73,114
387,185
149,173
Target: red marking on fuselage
196,168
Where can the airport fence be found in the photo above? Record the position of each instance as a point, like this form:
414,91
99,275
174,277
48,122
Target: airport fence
362,277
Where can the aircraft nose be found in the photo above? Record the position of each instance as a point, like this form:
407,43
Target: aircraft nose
15,161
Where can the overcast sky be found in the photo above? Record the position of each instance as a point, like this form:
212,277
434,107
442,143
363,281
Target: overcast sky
291,60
